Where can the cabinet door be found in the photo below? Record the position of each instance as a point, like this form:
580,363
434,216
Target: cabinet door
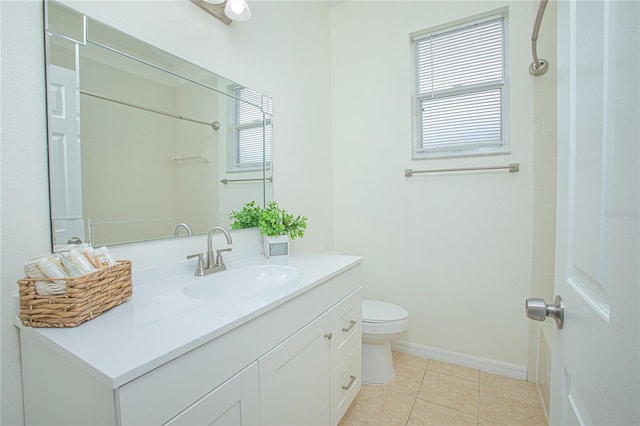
294,378
235,402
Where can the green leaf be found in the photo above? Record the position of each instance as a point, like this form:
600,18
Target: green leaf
275,221
248,217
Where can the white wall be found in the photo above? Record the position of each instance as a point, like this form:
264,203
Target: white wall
24,197
269,53
453,249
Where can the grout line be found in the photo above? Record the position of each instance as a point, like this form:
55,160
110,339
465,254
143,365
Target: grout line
445,406
419,386
411,411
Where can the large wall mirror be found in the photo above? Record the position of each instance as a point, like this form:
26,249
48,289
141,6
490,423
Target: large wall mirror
144,145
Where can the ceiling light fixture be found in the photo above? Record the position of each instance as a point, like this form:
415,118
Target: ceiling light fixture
226,11
237,10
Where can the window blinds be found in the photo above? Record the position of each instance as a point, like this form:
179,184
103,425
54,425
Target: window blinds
253,126
460,79
249,152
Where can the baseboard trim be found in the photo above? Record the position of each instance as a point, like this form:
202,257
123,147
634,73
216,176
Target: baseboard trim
483,364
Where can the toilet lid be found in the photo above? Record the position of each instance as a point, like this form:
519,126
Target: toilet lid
377,311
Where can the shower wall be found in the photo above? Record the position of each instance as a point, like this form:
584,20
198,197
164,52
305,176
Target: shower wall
544,201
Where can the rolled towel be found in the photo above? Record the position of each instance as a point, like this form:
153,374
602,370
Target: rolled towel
44,288
41,267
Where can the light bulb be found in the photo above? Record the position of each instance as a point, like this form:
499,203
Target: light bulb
238,10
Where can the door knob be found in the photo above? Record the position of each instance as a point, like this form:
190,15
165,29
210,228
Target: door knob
538,310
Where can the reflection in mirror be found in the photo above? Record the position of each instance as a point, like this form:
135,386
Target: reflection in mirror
142,144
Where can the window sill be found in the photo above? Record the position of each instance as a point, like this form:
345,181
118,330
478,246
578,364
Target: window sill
460,153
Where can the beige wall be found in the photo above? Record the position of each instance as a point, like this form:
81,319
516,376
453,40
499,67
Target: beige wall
120,153
453,249
196,181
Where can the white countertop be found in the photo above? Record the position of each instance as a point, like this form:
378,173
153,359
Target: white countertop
160,322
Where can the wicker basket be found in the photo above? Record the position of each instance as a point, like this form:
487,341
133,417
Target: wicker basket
87,297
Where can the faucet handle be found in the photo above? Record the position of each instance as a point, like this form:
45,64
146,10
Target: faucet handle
219,260
200,266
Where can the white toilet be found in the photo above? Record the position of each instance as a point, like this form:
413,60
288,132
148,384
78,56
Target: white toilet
382,323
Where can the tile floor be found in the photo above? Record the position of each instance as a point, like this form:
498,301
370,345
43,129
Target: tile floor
427,392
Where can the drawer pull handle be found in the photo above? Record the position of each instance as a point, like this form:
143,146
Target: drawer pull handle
351,325
328,336
352,380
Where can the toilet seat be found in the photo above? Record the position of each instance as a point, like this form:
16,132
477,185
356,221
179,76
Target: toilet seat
390,328
377,312
383,318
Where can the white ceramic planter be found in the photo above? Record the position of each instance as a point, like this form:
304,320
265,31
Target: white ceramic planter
276,246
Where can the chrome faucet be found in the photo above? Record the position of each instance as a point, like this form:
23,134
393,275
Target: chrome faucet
176,232
214,263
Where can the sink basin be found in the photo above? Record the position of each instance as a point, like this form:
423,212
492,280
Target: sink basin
243,282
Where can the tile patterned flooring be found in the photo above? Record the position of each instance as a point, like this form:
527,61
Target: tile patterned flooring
427,392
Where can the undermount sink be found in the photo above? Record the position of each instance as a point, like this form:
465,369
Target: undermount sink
243,282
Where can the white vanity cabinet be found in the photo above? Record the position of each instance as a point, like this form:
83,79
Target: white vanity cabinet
294,394
296,363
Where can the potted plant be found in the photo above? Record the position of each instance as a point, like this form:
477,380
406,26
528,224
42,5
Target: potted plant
276,225
248,217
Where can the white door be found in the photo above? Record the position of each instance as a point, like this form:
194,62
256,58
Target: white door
596,356
65,156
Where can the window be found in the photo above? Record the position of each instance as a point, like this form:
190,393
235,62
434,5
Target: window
252,114
461,91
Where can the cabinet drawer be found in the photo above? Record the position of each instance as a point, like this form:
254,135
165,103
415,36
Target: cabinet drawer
345,383
346,326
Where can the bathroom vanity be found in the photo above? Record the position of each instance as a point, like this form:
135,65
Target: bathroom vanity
260,343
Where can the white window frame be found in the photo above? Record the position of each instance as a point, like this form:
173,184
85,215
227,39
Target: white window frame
500,147
234,165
